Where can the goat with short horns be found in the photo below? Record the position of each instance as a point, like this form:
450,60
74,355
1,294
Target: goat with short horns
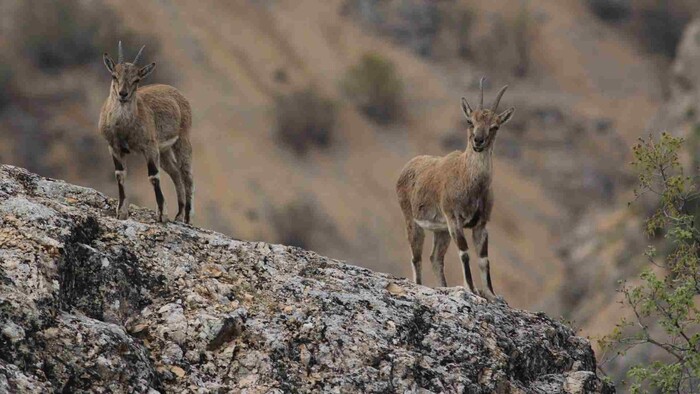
447,194
152,120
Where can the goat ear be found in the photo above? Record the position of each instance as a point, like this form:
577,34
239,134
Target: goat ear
505,116
108,62
145,70
466,108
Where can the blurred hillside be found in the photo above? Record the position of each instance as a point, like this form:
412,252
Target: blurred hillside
291,147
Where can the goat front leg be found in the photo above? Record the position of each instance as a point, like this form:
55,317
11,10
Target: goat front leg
416,236
457,234
441,241
481,240
120,175
153,159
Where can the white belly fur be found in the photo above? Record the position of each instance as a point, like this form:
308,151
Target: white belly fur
432,226
167,143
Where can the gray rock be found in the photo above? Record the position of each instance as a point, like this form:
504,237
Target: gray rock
92,304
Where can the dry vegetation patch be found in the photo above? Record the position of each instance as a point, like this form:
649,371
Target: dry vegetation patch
304,119
375,86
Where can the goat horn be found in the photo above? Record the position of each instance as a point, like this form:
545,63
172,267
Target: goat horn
498,98
138,55
120,59
481,86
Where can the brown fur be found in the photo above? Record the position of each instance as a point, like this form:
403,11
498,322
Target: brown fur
155,121
447,194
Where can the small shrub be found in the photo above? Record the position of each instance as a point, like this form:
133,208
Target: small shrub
56,34
507,46
304,119
455,30
6,79
466,19
522,33
610,10
659,25
374,85
296,222
663,302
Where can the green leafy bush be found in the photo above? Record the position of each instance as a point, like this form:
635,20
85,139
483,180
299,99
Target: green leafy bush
304,119
663,301
376,88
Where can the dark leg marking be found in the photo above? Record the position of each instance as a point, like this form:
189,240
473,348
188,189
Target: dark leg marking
484,249
153,175
464,256
119,168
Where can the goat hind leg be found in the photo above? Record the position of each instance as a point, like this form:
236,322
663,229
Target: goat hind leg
441,241
153,160
416,236
170,166
183,152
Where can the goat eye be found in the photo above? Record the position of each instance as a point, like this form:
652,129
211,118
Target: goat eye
494,127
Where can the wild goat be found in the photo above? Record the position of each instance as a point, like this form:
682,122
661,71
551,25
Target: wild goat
153,120
450,193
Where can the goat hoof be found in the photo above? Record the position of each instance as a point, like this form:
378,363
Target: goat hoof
122,215
162,219
180,217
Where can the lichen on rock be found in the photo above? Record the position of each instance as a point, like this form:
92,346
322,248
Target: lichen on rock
89,303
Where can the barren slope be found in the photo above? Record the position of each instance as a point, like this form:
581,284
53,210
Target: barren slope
225,56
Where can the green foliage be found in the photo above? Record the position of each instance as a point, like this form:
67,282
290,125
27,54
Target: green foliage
663,301
304,119
376,88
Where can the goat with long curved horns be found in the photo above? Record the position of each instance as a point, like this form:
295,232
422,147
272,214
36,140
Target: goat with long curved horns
152,120
447,194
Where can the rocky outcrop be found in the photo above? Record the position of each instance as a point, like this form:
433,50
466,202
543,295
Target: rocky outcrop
89,303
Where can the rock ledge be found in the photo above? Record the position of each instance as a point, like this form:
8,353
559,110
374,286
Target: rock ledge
89,303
